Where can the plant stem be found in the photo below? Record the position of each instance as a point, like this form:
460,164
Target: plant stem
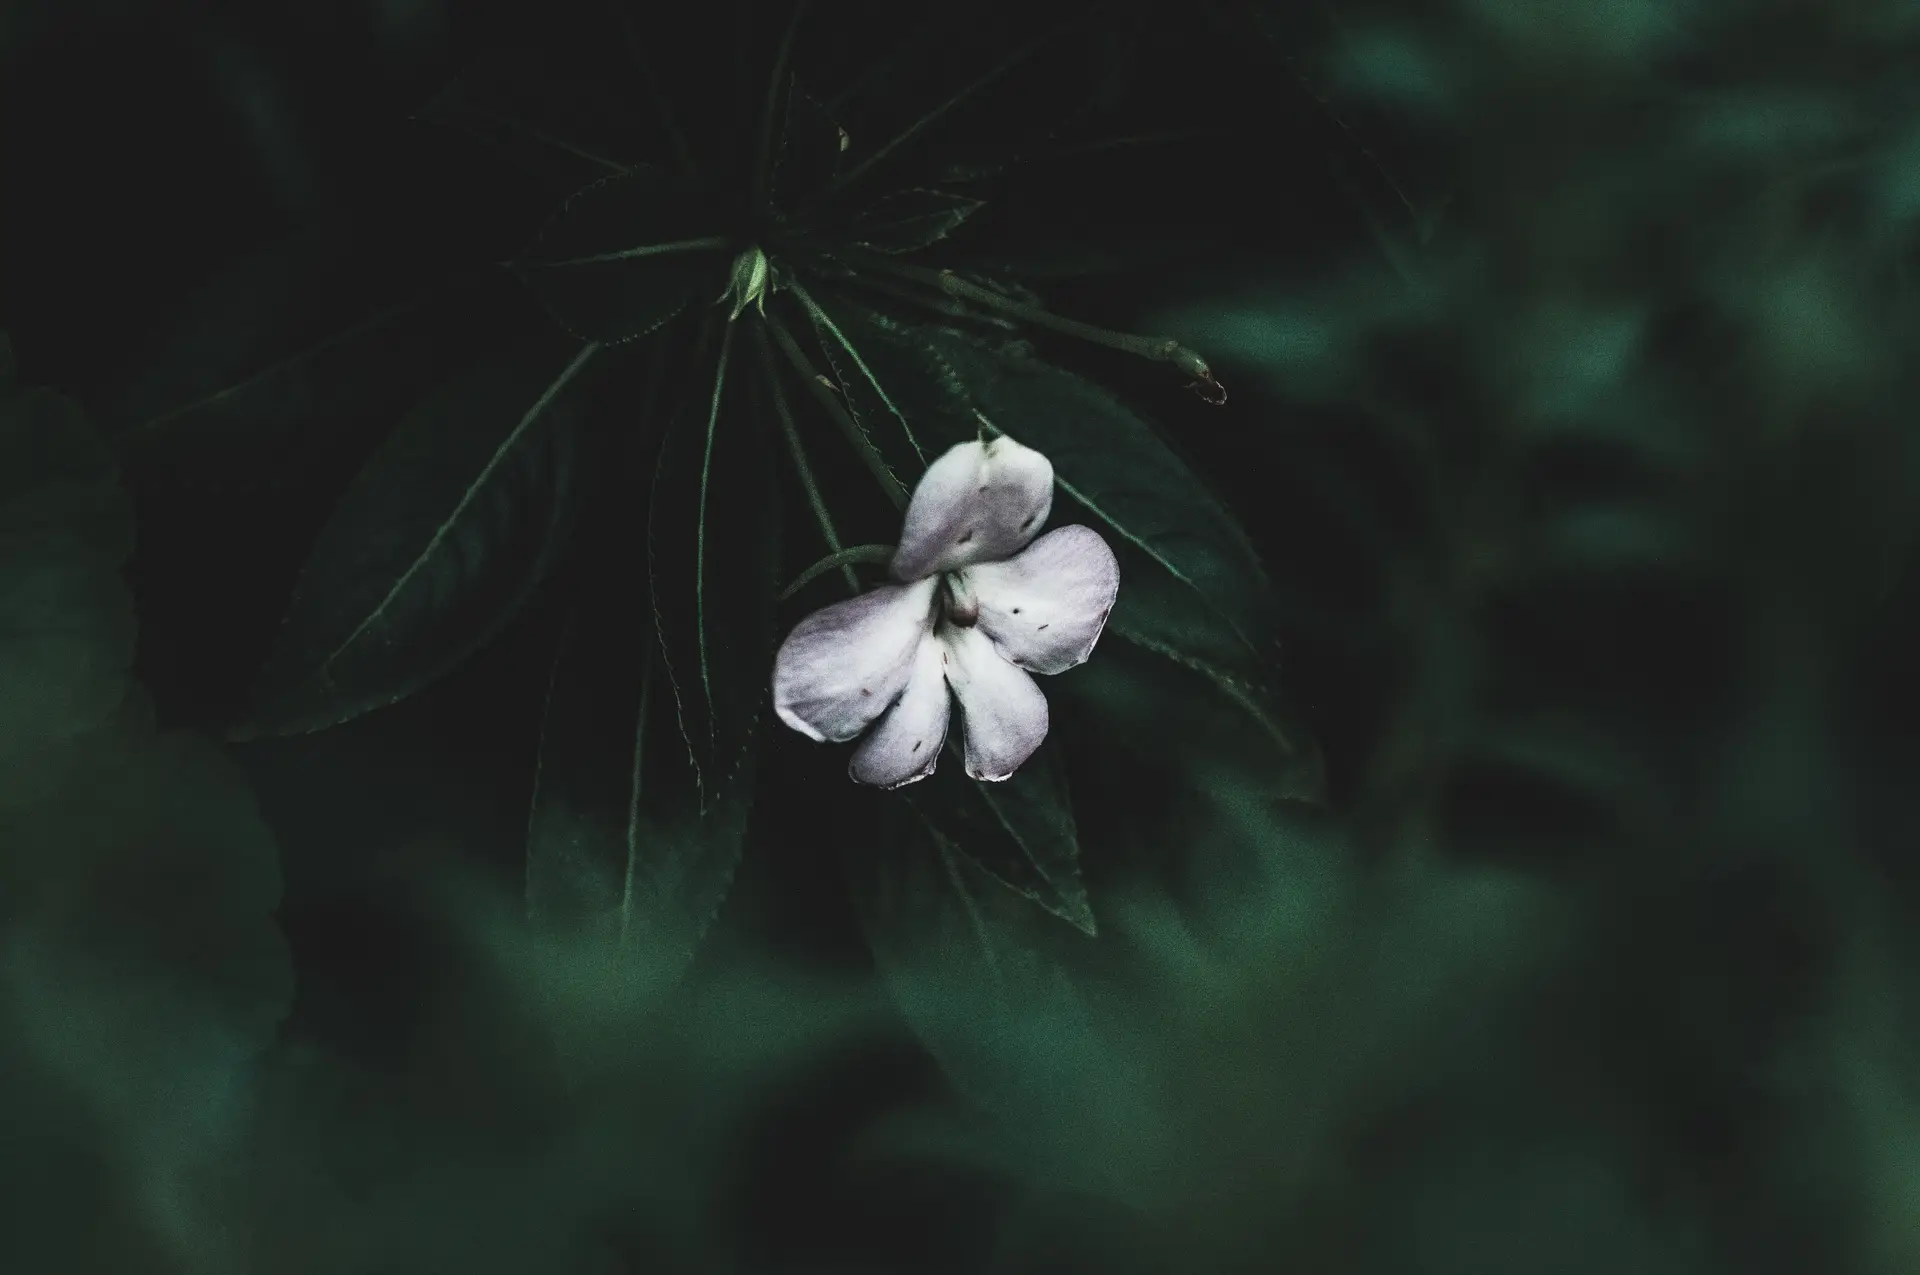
1159,348
840,558
819,387
794,449
943,304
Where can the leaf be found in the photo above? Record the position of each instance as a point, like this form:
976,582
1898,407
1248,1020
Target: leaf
713,553
909,220
280,367
581,842
808,155
893,388
441,537
1020,831
618,851
1176,713
625,255
978,973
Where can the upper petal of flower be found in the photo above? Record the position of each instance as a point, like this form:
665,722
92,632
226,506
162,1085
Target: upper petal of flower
1004,713
842,666
978,503
1044,607
907,742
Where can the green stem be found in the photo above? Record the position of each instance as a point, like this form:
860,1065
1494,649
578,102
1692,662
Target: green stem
815,501
949,306
1162,349
819,387
842,558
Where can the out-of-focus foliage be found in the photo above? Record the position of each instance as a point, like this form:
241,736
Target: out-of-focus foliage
141,974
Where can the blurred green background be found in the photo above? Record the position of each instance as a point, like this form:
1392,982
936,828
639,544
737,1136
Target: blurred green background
1569,352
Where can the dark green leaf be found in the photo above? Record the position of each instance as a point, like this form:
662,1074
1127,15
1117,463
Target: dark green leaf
909,220
445,532
1156,612
713,550
280,367
807,157
892,386
625,255
581,842
618,850
979,972
1230,738
1021,830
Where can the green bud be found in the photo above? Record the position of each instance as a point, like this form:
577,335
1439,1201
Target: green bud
748,287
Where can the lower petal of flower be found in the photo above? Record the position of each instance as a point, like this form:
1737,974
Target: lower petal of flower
1004,713
906,743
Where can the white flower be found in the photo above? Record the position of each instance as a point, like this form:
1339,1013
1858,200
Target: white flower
977,609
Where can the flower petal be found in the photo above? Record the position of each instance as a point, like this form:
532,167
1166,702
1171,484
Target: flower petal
1004,713
907,742
843,665
1045,607
978,503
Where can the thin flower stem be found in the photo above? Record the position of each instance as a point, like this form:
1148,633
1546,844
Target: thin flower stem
942,304
1160,348
842,559
819,387
815,501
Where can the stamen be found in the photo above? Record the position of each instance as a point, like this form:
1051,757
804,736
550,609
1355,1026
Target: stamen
963,609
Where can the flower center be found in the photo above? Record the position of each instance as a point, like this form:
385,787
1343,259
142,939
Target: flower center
962,608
